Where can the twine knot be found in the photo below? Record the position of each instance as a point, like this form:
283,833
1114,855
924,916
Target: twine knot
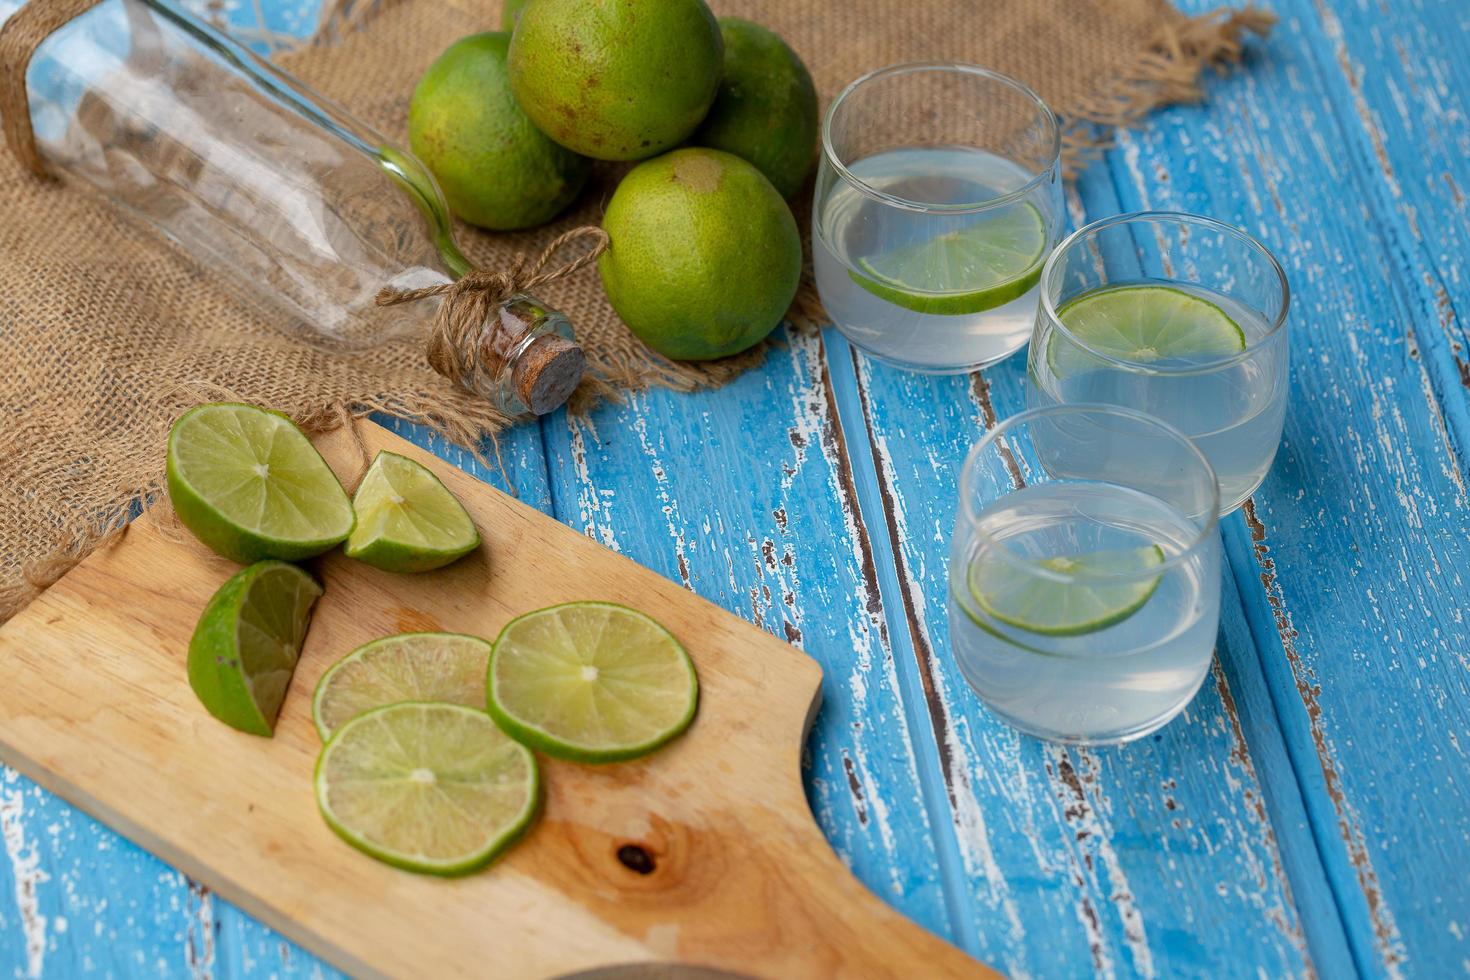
457,346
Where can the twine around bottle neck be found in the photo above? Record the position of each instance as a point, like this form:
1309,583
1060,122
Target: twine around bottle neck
20,36
455,348
454,345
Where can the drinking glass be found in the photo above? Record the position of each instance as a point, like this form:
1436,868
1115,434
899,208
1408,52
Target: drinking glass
1178,316
938,197
1084,574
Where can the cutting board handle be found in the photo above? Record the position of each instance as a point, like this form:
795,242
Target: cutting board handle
703,853
744,880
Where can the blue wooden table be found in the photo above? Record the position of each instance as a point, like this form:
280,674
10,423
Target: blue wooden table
1311,808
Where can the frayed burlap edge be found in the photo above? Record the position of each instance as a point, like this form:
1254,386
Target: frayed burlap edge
466,421
1168,71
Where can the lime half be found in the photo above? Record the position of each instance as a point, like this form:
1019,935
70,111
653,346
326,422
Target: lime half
250,485
435,788
1143,324
591,682
970,269
1055,608
445,667
245,648
407,521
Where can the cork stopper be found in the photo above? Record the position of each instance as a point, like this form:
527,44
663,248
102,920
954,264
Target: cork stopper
547,372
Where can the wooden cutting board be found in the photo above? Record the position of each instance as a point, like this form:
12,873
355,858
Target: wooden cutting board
704,853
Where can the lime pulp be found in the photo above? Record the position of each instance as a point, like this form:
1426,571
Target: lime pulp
1143,325
246,644
408,521
1102,589
441,667
433,788
987,263
250,485
591,682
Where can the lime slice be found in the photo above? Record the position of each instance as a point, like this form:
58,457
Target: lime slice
1052,608
591,682
407,521
1143,324
978,267
435,788
245,646
250,485
443,667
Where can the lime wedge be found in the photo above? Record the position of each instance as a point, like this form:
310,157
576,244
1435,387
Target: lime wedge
978,267
407,521
443,667
247,641
1143,324
250,485
1051,608
591,682
434,788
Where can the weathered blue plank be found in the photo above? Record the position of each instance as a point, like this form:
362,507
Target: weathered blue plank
1346,148
745,495
1350,561
1245,695
75,898
1397,77
1247,689
1134,860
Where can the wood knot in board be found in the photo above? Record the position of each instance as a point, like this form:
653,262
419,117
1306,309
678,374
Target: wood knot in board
636,858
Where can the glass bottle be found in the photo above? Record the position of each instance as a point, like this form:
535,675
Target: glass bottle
305,213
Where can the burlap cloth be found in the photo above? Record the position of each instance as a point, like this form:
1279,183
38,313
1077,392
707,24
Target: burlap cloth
106,333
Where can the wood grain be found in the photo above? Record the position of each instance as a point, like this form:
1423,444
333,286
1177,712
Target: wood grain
744,495
1350,560
97,710
1138,847
1337,719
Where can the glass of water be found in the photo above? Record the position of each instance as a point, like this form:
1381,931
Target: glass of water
938,198
1178,316
1084,574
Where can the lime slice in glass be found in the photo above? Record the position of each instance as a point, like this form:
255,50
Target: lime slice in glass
1143,324
591,682
1054,608
443,667
434,788
247,641
250,485
407,521
978,267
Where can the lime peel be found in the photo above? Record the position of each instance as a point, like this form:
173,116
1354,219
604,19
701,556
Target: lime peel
407,520
245,647
591,682
432,788
966,270
1067,608
1143,325
440,667
250,485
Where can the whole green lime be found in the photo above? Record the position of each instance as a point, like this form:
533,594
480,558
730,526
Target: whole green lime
510,12
616,79
704,256
766,108
496,168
